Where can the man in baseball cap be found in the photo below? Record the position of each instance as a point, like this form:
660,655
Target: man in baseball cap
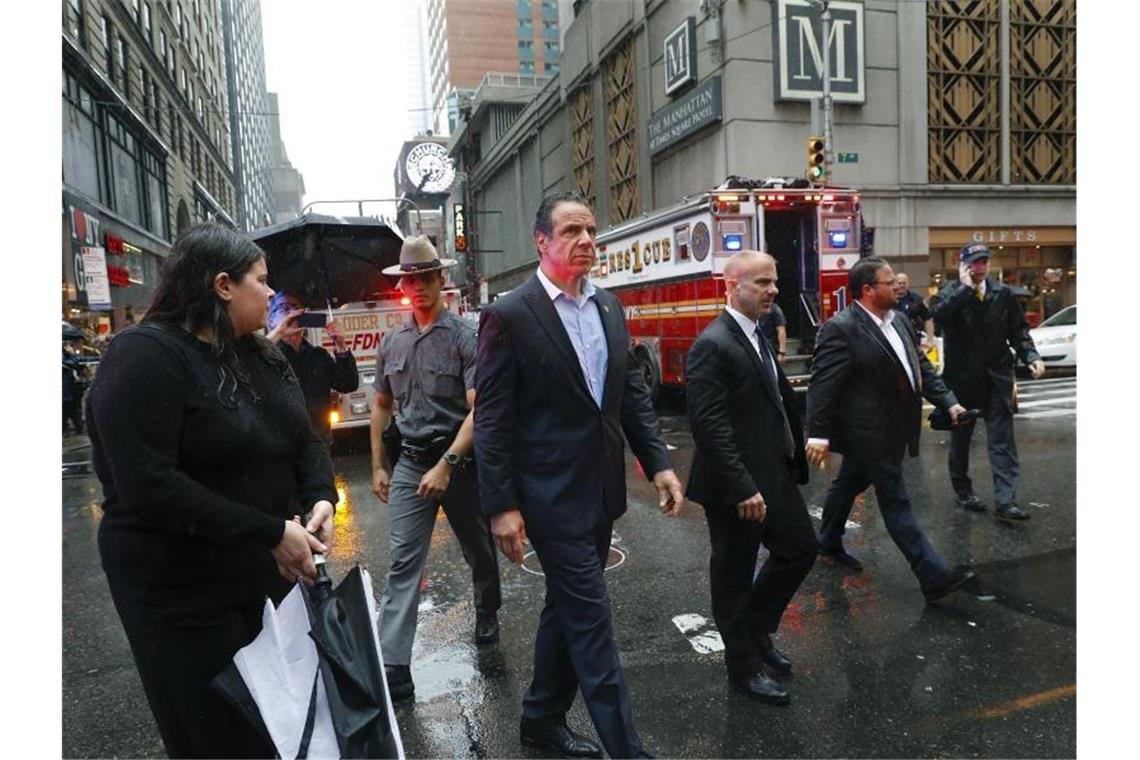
980,322
427,365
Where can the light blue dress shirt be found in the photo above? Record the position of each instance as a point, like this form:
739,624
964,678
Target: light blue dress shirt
583,324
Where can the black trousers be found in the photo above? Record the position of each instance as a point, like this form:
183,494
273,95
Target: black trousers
574,648
176,662
1000,446
894,505
745,607
72,411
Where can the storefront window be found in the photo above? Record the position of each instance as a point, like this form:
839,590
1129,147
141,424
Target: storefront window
155,173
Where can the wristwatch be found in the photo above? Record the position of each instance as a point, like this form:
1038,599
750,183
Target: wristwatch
454,459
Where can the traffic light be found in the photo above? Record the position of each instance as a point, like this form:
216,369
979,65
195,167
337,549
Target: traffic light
816,169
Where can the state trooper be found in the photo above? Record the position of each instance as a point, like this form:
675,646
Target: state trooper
427,366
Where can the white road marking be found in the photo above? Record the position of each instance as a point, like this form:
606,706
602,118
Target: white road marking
708,641
670,447
1046,402
689,622
1049,413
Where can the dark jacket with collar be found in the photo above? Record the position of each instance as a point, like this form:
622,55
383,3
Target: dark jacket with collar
734,414
859,397
542,444
977,338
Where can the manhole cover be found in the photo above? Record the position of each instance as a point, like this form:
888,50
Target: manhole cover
534,567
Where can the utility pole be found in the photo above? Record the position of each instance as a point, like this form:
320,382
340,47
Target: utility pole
825,17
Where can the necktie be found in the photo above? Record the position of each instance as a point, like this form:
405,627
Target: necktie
979,294
769,365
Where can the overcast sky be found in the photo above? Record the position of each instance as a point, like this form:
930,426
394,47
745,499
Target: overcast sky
339,69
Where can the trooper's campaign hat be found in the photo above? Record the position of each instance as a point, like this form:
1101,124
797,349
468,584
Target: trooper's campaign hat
418,255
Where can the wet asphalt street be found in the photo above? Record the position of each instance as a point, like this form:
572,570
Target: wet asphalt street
878,673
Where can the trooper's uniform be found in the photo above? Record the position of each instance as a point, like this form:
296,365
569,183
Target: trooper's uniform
428,374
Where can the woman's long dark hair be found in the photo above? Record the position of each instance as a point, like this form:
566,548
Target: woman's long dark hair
185,298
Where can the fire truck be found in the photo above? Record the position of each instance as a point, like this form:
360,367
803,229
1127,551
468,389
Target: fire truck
667,267
362,325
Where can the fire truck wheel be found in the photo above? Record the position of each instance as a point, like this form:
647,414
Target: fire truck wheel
649,370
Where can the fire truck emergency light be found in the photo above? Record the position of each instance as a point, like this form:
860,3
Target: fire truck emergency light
733,242
837,239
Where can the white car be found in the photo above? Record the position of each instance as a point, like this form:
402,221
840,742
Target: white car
1056,338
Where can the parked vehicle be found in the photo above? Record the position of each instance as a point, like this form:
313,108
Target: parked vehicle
1056,339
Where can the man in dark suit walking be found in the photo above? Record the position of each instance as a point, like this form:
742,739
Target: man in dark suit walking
865,402
749,457
980,322
556,388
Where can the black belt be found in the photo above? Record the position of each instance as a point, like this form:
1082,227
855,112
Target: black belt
424,450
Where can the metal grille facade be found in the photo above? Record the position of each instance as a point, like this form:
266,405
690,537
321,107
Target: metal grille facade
964,90
581,103
618,77
1043,91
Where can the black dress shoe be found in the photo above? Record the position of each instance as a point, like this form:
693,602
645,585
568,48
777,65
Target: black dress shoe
971,502
486,628
556,735
776,660
1011,513
400,685
762,688
953,582
839,556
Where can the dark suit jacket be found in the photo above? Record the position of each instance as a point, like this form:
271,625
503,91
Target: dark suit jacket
541,443
977,337
738,432
859,397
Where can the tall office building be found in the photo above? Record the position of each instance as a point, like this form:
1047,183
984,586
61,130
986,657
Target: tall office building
418,80
146,147
249,115
286,182
467,39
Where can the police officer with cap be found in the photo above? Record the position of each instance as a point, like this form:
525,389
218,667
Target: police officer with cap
980,322
427,366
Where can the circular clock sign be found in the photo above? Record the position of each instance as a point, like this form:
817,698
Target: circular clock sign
429,168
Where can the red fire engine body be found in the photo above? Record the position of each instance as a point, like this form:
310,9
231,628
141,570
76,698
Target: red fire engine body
667,267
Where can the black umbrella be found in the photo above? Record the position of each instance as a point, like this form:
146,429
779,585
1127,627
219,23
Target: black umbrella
335,260
344,629
312,682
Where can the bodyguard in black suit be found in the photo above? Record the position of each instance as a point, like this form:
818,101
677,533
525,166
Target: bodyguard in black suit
556,388
865,402
749,457
980,322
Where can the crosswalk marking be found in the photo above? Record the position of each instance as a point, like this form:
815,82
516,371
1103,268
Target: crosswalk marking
707,639
1044,399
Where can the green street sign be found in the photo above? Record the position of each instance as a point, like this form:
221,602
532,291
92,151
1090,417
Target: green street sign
848,158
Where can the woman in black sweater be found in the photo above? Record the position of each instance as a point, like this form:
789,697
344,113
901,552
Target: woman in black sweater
202,442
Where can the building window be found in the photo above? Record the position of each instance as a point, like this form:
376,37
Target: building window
178,17
83,166
550,50
182,81
146,24
526,67
75,22
525,9
194,52
105,35
526,27
121,65
126,190
550,69
154,182
162,51
135,10
550,29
